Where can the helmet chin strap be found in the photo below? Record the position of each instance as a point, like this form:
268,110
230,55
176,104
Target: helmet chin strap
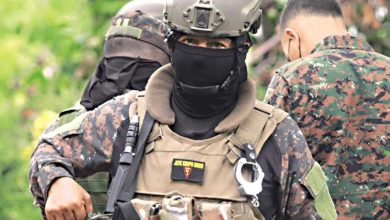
243,43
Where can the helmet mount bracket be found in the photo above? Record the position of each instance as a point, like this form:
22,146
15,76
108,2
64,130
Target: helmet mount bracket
203,16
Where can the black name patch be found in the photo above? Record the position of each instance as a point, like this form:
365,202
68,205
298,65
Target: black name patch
187,170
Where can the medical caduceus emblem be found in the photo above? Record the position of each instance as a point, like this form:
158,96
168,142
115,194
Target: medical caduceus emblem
187,172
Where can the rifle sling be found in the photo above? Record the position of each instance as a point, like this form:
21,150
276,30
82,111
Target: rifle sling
126,194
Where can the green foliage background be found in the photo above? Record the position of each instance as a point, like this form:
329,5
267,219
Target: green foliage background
48,48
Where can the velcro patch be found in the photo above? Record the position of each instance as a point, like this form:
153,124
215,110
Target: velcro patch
187,170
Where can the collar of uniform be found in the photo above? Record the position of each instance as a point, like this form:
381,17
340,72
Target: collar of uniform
158,93
342,42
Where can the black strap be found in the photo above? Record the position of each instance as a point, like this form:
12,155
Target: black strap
118,148
124,209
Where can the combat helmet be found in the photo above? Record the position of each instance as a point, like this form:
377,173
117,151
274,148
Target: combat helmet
214,18
233,19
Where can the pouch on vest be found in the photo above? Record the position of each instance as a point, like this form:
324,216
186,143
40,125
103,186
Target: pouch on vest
175,207
178,207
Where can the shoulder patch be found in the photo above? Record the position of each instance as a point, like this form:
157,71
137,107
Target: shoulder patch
315,183
69,116
76,108
70,128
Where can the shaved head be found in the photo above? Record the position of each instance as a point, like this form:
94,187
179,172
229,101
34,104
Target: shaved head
295,8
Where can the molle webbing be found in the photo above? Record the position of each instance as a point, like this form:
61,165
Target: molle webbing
97,186
255,130
141,106
194,209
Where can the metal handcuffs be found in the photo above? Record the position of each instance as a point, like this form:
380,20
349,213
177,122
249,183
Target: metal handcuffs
251,189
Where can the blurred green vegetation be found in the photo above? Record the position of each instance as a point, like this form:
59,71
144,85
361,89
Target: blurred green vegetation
49,48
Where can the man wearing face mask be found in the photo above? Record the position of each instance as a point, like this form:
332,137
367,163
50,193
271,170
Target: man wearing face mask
207,149
134,48
337,88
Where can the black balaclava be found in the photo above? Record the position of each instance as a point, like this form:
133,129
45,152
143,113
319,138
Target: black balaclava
113,76
206,85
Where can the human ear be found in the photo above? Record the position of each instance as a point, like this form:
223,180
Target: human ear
290,34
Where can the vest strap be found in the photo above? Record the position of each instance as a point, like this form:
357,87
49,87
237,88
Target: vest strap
141,109
141,106
127,190
255,130
123,187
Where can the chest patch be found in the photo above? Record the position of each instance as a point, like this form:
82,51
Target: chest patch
187,170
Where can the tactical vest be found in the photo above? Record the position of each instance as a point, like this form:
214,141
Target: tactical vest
169,156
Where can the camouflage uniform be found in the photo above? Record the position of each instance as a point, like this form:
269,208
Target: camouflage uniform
132,34
339,96
85,146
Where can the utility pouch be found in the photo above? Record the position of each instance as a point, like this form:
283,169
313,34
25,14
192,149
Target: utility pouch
215,211
178,207
173,207
144,208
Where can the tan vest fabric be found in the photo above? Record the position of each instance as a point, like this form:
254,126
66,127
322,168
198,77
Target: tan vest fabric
219,155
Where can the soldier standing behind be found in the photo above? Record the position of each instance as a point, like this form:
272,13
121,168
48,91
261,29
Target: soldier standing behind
337,89
133,49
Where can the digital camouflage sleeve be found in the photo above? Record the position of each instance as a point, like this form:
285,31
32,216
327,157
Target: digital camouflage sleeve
340,97
304,192
77,149
84,147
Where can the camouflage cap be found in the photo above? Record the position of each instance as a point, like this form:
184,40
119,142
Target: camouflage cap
153,8
136,34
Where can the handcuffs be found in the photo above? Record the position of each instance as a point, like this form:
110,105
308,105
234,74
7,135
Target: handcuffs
253,188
